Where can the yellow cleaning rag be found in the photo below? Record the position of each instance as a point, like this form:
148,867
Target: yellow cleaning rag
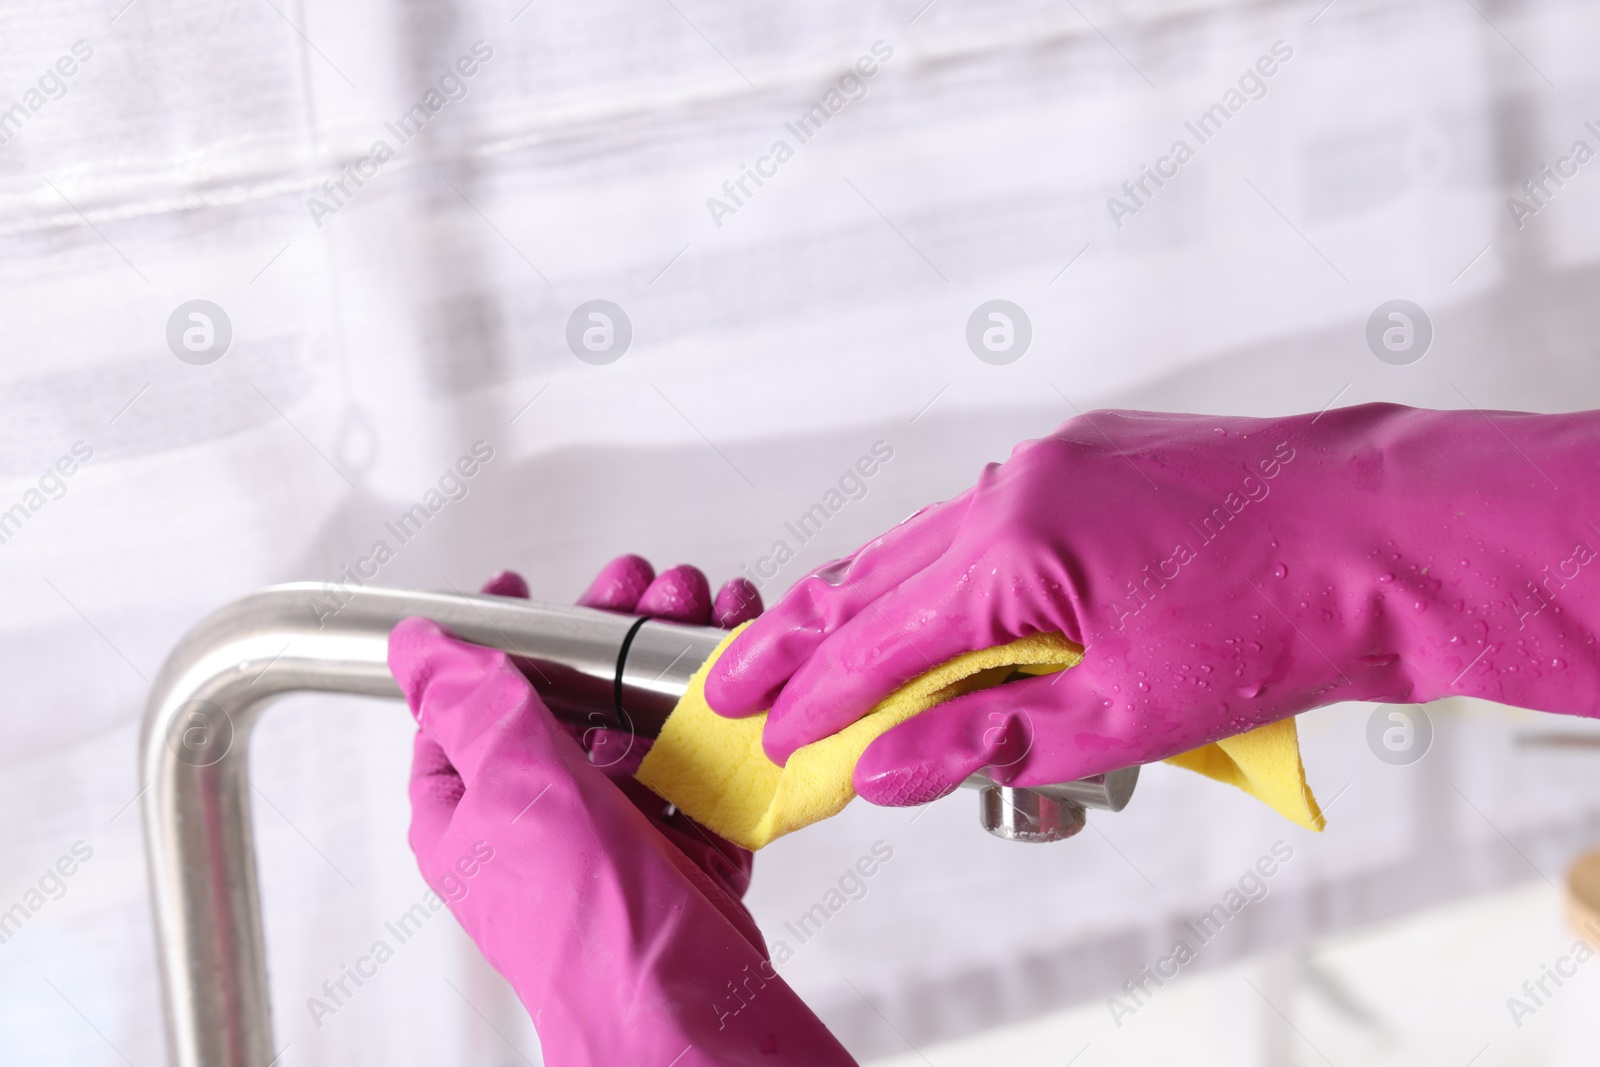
714,768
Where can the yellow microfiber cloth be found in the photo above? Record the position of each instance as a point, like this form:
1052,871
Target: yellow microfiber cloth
714,768
1265,763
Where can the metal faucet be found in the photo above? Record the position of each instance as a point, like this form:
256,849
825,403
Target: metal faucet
590,667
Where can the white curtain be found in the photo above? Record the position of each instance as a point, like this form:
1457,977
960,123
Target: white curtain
156,153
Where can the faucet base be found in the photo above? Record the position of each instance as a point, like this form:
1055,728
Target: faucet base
1029,816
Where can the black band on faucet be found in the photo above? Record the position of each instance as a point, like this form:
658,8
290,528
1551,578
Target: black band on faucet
622,662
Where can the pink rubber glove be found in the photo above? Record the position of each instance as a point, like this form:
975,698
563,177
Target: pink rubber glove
629,584
618,925
1222,573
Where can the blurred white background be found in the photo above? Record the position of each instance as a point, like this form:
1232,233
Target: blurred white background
826,313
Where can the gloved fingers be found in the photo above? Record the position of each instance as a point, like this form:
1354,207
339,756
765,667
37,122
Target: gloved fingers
469,698
726,863
506,583
678,594
749,675
700,865
737,601
723,860
719,869
435,790
630,584
920,625
619,585
1037,731
718,864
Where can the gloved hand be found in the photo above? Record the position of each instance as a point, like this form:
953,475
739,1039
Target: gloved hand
1222,573
630,585
618,925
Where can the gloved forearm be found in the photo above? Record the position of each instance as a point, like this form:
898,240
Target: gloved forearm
619,925
1221,572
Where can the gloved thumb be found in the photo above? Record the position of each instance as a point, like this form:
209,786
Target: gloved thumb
472,702
435,791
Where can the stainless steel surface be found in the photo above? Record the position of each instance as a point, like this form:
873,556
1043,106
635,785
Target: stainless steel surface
1108,792
194,754
1045,813
194,761
1029,815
